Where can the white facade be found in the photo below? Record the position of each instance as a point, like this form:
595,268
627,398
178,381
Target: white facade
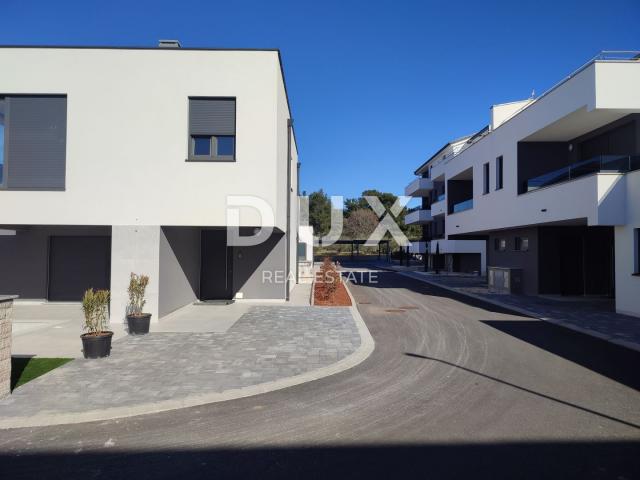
127,151
587,120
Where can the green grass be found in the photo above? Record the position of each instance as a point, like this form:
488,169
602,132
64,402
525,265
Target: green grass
25,369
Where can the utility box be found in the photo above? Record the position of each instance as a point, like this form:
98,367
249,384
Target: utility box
505,280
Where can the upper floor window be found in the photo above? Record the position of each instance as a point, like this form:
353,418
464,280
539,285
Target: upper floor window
500,244
499,173
485,178
33,136
212,129
2,103
636,241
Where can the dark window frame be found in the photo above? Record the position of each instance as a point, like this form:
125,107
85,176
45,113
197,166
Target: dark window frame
498,244
499,172
486,172
636,253
3,167
213,158
521,244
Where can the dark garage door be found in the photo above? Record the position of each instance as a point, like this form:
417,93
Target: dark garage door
76,264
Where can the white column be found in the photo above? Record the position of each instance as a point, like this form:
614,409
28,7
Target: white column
136,249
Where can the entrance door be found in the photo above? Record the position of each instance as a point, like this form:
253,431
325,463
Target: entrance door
216,279
76,264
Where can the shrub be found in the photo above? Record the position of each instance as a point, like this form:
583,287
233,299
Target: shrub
137,287
95,306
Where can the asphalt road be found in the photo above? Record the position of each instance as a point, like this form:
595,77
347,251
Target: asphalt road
454,389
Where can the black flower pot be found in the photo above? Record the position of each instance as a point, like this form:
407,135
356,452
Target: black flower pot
138,324
96,345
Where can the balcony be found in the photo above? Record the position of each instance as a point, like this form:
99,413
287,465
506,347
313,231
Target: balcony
598,164
418,217
420,187
439,207
462,206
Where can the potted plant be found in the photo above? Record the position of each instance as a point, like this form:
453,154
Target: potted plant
96,342
138,322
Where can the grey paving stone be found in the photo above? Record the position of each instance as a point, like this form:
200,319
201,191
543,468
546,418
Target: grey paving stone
265,344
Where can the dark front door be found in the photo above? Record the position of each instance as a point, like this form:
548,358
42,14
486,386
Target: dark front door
216,279
77,264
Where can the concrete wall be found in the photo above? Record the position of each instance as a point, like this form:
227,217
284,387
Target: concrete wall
628,285
25,258
179,281
142,130
259,272
527,261
136,249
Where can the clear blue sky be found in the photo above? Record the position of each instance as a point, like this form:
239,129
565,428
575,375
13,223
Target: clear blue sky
375,86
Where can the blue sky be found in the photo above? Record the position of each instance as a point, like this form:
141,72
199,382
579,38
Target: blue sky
375,86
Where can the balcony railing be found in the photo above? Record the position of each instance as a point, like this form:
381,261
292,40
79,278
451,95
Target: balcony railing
599,164
462,206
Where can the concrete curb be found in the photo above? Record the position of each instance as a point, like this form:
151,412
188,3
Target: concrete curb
46,419
528,313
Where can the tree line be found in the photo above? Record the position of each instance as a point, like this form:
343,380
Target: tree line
359,218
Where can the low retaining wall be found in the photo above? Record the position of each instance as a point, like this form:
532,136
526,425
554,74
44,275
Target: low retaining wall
6,305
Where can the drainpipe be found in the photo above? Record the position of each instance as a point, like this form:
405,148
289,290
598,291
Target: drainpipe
288,227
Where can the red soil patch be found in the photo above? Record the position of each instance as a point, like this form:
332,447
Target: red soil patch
340,297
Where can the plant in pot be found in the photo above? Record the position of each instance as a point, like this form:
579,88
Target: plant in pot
137,321
96,342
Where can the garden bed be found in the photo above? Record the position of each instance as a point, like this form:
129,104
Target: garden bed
340,297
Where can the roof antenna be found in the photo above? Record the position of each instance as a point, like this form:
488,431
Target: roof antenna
533,94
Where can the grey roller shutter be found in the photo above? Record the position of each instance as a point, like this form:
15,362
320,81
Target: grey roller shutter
212,116
36,138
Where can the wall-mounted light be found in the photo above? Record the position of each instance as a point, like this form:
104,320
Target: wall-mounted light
571,147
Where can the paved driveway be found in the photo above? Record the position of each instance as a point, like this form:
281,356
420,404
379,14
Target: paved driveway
454,389
161,370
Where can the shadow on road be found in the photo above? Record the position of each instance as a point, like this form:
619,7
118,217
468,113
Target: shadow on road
612,361
524,389
570,460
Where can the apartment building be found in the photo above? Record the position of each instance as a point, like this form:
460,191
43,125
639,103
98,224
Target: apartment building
119,160
552,186
440,252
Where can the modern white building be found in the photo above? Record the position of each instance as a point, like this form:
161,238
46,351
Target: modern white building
552,186
467,256
119,160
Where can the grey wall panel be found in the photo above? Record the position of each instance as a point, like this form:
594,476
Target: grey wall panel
24,258
510,258
212,116
36,136
249,263
179,268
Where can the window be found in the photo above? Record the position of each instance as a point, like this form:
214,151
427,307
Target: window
499,175
212,129
636,241
485,178
33,135
2,110
521,244
500,244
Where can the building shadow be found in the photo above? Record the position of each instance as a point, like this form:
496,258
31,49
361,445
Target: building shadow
526,460
613,361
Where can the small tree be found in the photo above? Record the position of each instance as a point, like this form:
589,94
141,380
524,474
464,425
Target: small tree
95,305
137,287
